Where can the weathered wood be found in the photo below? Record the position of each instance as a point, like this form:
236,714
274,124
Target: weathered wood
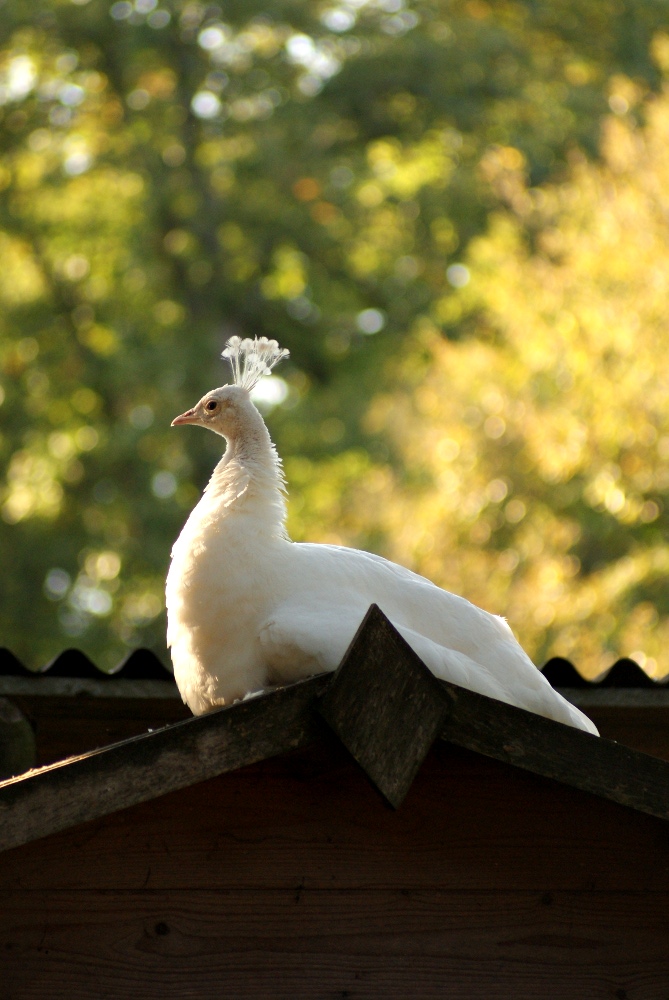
642,728
17,741
70,724
41,686
100,782
145,767
310,820
478,723
71,716
316,945
608,697
385,706
569,755
291,880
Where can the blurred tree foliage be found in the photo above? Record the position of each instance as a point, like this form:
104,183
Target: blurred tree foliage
452,213
535,454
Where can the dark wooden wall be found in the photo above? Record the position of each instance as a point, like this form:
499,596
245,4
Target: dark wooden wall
69,725
291,879
66,725
643,728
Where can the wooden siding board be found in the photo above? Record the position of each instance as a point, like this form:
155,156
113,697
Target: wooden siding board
569,755
145,767
310,819
98,783
67,726
385,706
325,944
70,719
643,728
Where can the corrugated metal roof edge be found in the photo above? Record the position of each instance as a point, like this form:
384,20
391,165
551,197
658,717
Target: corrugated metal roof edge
140,665
144,665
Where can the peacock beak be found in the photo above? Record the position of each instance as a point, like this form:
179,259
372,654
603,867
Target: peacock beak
189,417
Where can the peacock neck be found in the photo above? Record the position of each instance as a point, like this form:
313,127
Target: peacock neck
249,480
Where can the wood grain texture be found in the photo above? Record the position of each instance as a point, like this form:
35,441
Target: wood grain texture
320,944
291,879
17,741
68,719
642,728
309,819
142,768
98,783
69,725
385,706
569,755
526,740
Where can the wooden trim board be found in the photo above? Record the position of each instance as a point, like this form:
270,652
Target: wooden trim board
136,770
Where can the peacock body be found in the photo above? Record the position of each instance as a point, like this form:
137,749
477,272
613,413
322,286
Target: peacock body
248,608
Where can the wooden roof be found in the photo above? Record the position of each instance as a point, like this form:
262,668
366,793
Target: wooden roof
385,707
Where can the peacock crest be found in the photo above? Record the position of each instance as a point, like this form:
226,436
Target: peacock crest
251,359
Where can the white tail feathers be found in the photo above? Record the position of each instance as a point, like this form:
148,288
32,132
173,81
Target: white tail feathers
251,359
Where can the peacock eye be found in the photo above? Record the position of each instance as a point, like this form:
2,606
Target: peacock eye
211,405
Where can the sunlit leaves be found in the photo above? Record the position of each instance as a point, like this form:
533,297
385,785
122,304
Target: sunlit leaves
287,279
546,449
172,173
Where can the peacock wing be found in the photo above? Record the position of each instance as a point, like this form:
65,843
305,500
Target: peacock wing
297,642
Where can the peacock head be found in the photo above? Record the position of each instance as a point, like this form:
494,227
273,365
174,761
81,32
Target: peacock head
221,410
225,410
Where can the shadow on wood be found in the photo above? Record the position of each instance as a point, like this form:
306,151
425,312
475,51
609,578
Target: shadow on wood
385,706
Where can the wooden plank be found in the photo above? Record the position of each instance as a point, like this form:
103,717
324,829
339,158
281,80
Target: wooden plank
318,944
385,706
142,768
45,686
145,767
17,741
67,726
642,728
534,743
565,754
616,698
69,722
309,819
